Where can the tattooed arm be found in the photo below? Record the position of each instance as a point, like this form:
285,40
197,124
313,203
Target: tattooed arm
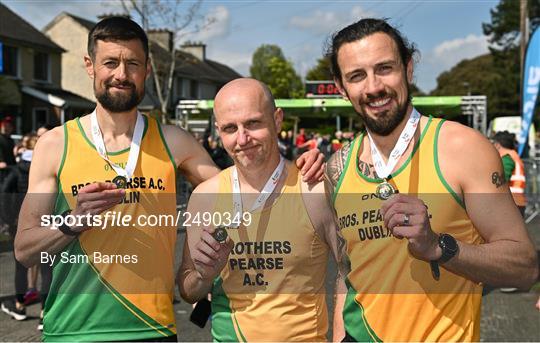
473,169
334,168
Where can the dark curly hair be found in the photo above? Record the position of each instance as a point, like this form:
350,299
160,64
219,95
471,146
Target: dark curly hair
362,29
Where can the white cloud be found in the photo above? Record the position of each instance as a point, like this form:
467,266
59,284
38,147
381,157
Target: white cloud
323,22
457,49
446,55
239,61
219,27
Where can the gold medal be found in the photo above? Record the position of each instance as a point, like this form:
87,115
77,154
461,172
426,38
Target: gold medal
120,181
220,234
385,190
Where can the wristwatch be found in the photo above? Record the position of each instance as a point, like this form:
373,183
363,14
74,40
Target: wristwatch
448,246
449,249
65,229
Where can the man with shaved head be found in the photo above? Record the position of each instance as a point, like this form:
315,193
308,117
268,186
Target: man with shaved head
271,266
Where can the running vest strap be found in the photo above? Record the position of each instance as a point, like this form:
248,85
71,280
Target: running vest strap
95,294
391,295
272,288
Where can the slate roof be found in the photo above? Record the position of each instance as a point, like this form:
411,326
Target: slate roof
16,30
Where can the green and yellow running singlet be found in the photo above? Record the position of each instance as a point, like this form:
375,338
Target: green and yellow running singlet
393,296
272,288
115,281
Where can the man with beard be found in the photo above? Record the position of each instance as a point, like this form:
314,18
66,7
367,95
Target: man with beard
424,215
113,273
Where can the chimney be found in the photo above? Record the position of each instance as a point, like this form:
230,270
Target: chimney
162,37
108,15
197,49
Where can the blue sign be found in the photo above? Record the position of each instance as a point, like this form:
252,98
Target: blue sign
1,58
531,82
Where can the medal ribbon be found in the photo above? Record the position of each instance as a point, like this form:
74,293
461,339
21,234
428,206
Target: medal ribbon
134,147
384,169
265,193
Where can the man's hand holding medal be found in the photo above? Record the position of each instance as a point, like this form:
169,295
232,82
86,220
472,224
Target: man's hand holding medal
212,252
94,199
407,217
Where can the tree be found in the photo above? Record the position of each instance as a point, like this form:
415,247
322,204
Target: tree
504,27
504,32
166,14
415,91
261,57
321,71
270,66
285,83
465,77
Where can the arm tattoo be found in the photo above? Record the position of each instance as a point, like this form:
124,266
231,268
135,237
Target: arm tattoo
336,164
497,179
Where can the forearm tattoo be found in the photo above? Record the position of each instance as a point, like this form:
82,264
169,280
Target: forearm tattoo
497,179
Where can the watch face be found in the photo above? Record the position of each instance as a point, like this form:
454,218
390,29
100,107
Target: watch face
449,243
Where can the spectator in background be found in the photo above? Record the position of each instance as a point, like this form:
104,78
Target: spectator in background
310,144
43,129
514,171
336,142
325,146
16,185
301,138
7,158
284,145
217,153
22,146
300,141
32,295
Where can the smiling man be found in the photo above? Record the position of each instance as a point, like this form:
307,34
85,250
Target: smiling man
112,159
421,207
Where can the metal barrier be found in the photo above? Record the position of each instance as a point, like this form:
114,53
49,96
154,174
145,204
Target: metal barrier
532,188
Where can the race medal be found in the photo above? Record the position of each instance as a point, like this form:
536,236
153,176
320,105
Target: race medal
385,190
220,234
123,174
120,181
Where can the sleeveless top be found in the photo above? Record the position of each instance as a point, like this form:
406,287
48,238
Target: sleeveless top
393,296
272,288
115,281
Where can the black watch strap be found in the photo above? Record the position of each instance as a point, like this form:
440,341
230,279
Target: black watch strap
65,229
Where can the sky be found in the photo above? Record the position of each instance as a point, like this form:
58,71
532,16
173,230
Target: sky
445,32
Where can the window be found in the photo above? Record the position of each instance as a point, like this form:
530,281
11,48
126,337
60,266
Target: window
179,87
40,117
194,89
41,66
10,57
